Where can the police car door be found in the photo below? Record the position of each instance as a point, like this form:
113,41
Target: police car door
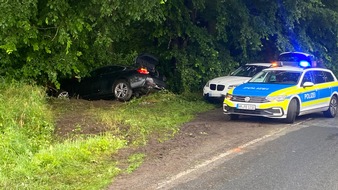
323,82
309,92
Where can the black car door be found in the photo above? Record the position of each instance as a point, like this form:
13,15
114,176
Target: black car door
101,81
103,84
87,84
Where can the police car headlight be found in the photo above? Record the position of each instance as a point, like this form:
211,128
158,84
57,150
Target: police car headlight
276,98
207,85
228,96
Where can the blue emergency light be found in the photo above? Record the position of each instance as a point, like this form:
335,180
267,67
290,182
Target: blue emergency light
304,64
296,59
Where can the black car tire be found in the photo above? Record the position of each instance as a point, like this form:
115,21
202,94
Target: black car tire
332,111
234,117
292,112
122,90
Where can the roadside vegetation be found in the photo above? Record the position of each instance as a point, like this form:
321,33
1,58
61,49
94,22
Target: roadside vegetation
195,40
33,156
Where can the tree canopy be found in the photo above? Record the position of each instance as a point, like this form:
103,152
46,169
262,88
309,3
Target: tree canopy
46,40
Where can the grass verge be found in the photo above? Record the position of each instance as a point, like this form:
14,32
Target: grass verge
33,157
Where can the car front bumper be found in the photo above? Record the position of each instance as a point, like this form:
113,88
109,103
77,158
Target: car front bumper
214,93
269,109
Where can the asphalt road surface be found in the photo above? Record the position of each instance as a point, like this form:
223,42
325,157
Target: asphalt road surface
302,156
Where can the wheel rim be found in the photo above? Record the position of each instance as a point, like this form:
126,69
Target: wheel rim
333,105
63,94
121,90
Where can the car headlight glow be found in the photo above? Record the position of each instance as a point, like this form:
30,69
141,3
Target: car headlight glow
276,98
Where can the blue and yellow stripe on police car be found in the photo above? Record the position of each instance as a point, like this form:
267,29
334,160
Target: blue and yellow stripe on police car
315,102
310,97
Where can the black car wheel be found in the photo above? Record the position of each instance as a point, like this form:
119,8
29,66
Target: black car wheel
122,90
332,111
292,112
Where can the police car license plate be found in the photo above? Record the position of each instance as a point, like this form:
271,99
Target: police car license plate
246,106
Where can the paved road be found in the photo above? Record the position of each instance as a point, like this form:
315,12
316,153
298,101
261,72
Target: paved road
303,156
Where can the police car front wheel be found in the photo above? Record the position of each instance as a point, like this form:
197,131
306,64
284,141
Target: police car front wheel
292,112
332,111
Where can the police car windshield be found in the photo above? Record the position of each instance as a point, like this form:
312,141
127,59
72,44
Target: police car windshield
247,70
276,77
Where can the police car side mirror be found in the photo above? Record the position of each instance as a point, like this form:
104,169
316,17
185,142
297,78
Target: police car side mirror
308,84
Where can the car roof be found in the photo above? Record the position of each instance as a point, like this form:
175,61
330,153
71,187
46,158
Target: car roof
296,52
260,64
285,68
299,69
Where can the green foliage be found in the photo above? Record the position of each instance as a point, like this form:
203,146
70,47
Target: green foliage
31,159
24,119
26,125
49,40
196,40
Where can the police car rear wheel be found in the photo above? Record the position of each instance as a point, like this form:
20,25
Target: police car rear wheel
292,112
332,111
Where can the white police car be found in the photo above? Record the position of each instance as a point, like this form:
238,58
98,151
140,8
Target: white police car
216,89
285,91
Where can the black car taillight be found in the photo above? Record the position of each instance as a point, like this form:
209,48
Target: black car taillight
143,70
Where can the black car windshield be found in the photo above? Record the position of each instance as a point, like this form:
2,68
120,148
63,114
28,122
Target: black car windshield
247,70
276,77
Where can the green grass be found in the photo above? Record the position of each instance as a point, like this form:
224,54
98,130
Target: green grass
134,161
159,114
33,157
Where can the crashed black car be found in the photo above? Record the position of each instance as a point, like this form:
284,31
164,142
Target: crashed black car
120,82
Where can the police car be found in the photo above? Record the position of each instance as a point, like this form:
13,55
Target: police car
294,86
216,89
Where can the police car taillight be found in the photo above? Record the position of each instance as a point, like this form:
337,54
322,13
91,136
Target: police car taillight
143,70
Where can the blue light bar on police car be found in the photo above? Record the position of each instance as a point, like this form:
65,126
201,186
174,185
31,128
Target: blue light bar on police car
296,59
304,64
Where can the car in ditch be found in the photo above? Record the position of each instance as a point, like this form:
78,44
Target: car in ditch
216,89
292,87
119,82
